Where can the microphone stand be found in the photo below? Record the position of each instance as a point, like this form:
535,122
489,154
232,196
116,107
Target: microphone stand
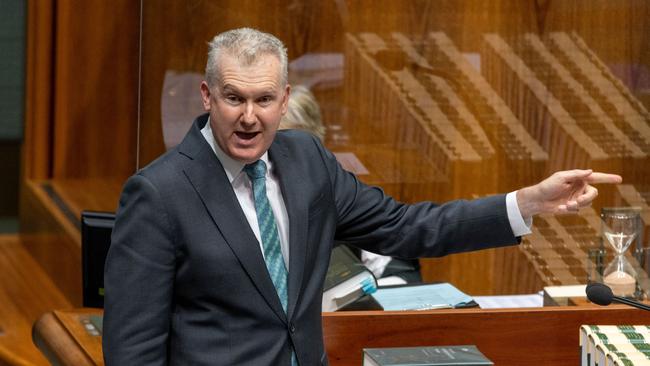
629,302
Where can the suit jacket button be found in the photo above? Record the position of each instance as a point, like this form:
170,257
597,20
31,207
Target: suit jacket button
292,328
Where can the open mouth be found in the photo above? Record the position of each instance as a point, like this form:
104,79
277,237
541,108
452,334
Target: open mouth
246,135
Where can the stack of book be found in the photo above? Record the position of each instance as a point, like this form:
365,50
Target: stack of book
347,280
615,345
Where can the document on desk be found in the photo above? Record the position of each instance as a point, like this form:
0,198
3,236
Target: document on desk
510,301
422,297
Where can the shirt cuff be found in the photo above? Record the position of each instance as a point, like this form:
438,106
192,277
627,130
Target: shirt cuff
520,225
375,262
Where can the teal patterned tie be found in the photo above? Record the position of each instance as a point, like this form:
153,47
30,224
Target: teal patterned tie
269,234
268,230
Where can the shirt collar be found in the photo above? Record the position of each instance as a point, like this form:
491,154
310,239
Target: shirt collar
232,167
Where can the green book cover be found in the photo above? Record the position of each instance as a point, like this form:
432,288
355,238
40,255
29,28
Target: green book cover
343,265
347,280
425,356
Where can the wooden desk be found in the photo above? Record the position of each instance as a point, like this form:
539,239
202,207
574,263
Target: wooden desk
62,338
539,336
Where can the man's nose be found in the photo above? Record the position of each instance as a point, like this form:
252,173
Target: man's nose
249,113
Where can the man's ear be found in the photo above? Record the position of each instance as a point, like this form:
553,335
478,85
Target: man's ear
205,95
285,100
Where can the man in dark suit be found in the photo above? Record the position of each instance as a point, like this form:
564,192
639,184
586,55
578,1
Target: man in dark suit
221,246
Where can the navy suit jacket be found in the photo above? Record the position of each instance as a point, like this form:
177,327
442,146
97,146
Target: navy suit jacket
185,280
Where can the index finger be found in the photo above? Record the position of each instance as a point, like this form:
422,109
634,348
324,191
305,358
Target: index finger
597,177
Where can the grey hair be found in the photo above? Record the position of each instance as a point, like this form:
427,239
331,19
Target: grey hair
303,113
246,45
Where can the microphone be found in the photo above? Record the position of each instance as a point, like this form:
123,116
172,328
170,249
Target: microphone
601,294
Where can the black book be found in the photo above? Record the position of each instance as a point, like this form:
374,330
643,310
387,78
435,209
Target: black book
347,280
467,355
96,228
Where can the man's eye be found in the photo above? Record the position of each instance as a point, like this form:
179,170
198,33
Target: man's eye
265,100
233,99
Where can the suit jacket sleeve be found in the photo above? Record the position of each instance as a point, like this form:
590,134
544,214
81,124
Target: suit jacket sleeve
139,278
371,220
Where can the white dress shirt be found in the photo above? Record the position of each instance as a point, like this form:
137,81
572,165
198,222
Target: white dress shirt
244,192
243,188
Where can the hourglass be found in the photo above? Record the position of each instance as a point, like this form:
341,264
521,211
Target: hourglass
620,226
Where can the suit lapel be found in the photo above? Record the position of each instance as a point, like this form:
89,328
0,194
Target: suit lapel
294,200
207,176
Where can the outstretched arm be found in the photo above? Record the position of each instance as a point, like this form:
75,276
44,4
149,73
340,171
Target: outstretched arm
562,192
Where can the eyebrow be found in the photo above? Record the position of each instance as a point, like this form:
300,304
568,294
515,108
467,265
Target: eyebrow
233,89
230,88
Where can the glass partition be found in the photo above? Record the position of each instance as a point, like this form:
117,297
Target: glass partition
438,100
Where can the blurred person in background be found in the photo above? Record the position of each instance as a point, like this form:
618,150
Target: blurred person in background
303,113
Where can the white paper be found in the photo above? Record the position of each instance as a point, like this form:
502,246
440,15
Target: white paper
510,301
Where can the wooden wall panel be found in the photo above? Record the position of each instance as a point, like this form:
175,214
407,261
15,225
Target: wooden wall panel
81,122
95,88
37,144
